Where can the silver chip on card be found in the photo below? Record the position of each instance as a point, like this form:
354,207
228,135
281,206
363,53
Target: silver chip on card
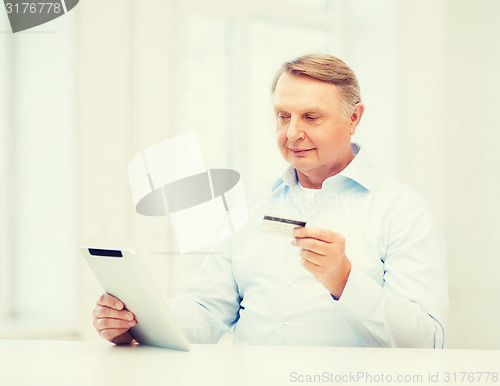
280,226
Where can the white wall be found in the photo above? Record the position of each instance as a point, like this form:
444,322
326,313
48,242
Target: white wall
449,82
472,171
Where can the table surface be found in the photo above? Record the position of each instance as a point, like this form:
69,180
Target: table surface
68,363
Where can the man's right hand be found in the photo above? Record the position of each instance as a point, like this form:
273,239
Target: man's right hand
112,321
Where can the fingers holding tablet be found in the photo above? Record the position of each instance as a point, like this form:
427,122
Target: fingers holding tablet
112,321
110,301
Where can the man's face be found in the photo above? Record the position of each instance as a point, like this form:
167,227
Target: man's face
312,133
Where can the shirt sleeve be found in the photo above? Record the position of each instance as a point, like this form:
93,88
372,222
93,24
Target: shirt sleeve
210,306
409,308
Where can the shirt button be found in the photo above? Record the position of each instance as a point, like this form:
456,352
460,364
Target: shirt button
281,324
289,282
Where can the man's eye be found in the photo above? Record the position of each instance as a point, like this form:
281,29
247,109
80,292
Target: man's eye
282,117
311,118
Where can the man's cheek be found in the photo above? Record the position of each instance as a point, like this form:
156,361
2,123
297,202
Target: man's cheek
281,138
281,142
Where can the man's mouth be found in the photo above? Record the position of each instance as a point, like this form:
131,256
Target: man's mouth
299,151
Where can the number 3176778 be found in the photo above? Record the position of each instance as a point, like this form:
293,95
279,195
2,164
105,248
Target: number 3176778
33,7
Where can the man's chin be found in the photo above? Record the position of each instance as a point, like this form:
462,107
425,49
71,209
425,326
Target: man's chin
301,164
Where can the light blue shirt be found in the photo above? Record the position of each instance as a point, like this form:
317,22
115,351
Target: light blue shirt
396,294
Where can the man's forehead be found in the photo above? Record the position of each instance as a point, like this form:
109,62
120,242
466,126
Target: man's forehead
302,89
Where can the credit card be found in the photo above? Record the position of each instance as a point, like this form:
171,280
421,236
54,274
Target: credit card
280,226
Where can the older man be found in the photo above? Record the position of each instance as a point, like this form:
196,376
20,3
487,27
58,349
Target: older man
371,267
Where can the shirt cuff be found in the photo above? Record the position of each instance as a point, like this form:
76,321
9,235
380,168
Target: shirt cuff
361,295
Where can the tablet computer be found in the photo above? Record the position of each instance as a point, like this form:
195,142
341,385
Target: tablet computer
122,275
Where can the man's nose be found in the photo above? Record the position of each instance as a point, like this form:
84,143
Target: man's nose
294,132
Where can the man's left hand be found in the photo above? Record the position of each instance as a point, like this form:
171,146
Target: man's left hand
323,254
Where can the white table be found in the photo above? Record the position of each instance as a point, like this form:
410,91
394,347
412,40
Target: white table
54,363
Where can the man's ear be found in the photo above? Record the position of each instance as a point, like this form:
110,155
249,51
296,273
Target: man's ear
355,118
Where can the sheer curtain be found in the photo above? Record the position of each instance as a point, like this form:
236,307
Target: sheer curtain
38,177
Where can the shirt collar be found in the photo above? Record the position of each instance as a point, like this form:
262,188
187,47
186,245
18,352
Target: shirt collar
358,171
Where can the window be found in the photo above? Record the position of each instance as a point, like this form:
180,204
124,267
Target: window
229,53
